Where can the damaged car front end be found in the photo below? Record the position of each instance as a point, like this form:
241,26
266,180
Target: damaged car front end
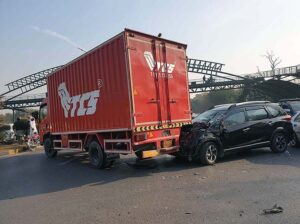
194,136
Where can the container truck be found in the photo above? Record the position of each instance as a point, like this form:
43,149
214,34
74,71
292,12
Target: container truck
128,95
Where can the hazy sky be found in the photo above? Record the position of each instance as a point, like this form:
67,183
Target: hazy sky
40,34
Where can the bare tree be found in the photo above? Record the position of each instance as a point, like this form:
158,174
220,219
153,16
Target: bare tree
273,60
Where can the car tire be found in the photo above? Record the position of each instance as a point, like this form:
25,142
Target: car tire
294,142
97,156
279,142
208,153
50,152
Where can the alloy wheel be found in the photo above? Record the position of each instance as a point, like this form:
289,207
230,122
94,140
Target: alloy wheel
211,153
280,142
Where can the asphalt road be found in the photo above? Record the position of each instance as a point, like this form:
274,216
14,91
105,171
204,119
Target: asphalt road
34,189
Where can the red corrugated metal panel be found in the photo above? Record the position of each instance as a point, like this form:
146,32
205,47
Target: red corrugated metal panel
91,93
160,94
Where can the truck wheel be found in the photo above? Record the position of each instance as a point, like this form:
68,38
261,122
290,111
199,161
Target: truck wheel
279,143
208,153
48,147
97,156
139,155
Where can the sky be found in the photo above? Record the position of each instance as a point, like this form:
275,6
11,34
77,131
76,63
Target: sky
39,34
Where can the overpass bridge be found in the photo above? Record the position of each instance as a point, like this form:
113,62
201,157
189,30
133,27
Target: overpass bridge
211,78
226,81
20,102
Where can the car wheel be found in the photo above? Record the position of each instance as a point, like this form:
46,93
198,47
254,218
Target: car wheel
96,155
294,142
208,153
279,143
48,147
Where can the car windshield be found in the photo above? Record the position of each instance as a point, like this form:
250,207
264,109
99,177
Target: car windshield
295,105
4,127
209,115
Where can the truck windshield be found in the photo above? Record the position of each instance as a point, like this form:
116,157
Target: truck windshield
5,128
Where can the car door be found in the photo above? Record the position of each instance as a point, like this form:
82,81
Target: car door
259,124
235,128
296,125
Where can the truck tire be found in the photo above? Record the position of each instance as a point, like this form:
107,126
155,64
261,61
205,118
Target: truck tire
208,153
50,152
279,142
97,156
139,155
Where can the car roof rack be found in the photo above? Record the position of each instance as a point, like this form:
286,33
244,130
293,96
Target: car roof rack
291,99
222,105
251,102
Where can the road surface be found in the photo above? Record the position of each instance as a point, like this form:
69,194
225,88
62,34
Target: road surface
34,189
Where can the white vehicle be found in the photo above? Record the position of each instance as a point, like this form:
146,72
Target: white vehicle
296,127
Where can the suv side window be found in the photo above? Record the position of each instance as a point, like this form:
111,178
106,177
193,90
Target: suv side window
234,119
275,111
256,114
285,107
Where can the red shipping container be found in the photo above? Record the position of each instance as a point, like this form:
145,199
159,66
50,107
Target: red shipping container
132,83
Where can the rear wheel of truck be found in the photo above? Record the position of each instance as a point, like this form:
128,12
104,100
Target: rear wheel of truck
208,153
97,156
48,147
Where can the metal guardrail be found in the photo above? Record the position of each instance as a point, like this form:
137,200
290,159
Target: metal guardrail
34,100
25,97
278,72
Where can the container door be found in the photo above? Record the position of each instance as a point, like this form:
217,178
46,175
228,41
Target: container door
159,82
173,80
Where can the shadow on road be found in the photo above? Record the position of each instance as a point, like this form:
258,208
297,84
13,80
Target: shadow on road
264,156
34,174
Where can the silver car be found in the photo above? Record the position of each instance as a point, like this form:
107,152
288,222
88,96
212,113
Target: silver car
7,134
296,127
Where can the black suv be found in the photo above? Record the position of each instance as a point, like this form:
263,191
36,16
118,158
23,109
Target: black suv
242,126
291,106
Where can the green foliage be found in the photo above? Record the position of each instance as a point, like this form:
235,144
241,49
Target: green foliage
6,118
204,101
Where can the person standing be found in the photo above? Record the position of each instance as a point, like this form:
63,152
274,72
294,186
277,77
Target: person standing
19,129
